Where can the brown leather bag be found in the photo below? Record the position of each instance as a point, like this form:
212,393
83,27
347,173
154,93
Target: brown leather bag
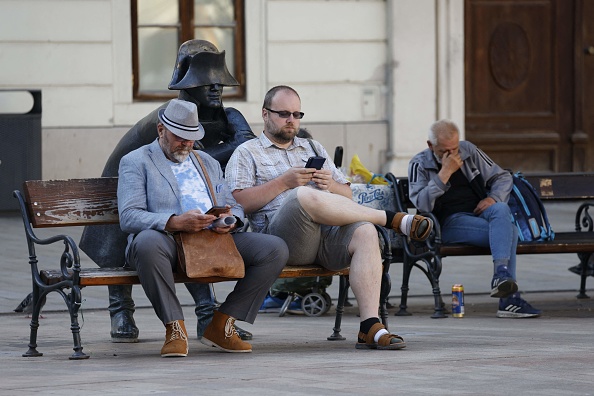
207,255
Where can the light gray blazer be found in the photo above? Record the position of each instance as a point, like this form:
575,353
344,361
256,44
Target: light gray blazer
148,193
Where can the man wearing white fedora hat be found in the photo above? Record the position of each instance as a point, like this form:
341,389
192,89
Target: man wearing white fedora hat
200,74
162,189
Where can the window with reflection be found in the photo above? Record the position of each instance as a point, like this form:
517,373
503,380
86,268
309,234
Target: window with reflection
159,27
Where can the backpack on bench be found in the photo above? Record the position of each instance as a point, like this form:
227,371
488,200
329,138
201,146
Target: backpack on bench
528,212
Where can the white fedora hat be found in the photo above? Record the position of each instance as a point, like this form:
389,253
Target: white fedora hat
180,117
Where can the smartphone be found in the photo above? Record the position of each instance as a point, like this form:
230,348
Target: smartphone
315,162
217,210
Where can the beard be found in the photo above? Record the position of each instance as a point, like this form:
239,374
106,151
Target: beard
282,135
179,155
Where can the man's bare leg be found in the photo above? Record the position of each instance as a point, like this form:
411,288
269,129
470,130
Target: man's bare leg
366,270
336,210
365,278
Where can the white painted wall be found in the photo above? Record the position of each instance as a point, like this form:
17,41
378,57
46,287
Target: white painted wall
413,85
369,72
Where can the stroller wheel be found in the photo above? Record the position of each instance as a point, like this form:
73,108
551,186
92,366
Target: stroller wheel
314,304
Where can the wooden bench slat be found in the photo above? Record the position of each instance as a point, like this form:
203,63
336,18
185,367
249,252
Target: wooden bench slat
75,202
297,271
122,276
563,186
563,243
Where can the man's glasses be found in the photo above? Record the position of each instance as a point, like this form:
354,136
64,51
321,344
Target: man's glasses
286,114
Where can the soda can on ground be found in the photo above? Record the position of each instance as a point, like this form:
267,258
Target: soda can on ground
458,301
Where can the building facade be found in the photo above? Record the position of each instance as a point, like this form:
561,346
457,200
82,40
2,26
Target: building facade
372,74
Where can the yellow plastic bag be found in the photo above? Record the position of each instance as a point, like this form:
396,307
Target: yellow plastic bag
360,174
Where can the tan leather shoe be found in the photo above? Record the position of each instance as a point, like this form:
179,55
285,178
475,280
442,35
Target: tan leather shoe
221,334
419,230
176,340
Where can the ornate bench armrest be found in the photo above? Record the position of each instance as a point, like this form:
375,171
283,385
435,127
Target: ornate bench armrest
583,218
70,257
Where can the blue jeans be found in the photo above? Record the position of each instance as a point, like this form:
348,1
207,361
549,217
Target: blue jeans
493,228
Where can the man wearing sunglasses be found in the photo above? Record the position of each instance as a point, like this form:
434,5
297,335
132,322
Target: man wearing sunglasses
313,211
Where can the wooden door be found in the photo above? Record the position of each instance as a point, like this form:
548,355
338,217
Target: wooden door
529,83
584,50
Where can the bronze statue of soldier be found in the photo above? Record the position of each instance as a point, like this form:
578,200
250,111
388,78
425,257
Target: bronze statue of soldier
200,74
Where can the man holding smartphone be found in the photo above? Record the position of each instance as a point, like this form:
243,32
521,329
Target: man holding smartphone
313,211
200,74
163,189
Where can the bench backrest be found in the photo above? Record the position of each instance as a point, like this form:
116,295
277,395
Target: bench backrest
563,186
50,203
74,202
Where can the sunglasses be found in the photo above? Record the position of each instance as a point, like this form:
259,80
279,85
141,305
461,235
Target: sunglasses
286,114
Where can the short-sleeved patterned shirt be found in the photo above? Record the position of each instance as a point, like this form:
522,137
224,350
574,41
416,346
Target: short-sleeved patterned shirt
259,161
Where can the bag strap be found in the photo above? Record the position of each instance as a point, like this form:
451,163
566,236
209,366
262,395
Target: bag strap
312,146
207,178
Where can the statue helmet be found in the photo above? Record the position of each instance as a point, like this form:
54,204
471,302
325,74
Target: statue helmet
200,63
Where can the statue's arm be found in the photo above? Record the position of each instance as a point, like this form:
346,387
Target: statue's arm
242,133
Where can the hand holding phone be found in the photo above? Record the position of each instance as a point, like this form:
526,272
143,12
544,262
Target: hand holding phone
315,162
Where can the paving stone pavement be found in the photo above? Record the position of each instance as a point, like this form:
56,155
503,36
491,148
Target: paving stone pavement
478,354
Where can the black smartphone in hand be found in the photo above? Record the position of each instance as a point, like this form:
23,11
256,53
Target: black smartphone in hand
315,162
217,210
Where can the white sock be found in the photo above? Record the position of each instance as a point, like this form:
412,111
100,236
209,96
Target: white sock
406,224
379,334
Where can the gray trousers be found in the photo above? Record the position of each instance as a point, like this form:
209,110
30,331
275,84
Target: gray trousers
153,255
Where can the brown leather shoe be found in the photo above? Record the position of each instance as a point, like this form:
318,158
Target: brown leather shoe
176,340
221,334
419,230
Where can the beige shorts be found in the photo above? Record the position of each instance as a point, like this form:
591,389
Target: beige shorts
310,242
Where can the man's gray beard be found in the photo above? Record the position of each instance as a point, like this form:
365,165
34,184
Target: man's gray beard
180,156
